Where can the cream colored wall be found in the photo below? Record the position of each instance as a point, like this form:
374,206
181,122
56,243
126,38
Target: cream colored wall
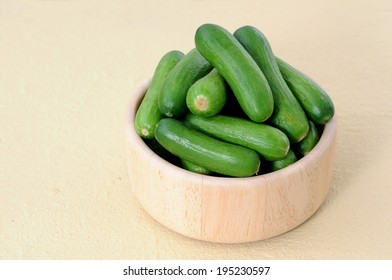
67,70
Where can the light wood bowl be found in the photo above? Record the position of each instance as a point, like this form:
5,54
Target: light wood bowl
228,210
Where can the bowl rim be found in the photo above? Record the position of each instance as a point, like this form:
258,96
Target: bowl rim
326,139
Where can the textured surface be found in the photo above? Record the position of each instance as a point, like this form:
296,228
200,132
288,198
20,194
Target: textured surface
67,69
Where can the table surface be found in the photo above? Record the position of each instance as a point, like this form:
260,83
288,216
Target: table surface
68,69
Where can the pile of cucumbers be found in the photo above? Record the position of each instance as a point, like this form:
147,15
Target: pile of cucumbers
230,107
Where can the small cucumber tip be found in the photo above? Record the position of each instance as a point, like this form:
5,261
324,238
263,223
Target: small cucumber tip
201,103
145,131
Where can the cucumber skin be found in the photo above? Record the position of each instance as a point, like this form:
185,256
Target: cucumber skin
157,148
269,142
213,88
288,114
309,142
194,168
172,98
148,114
313,99
280,164
238,68
200,149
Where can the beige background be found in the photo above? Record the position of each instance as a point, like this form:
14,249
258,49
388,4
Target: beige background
67,70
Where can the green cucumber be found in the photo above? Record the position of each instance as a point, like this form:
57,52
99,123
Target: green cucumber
238,68
280,164
203,150
207,96
148,114
268,141
313,99
288,114
309,142
194,168
172,98
157,148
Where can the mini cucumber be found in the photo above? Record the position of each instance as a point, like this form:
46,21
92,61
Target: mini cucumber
313,99
309,142
238,68
157,148
268,141
194,168
172,98
148,114
288,114
200,149
280,164
207,96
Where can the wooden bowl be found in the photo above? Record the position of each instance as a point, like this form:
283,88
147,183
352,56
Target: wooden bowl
228,210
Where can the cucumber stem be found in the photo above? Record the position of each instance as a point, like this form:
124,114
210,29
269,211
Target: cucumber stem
145,131
201,103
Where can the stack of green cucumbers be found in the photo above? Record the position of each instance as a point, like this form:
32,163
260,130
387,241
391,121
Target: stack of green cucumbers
230,107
